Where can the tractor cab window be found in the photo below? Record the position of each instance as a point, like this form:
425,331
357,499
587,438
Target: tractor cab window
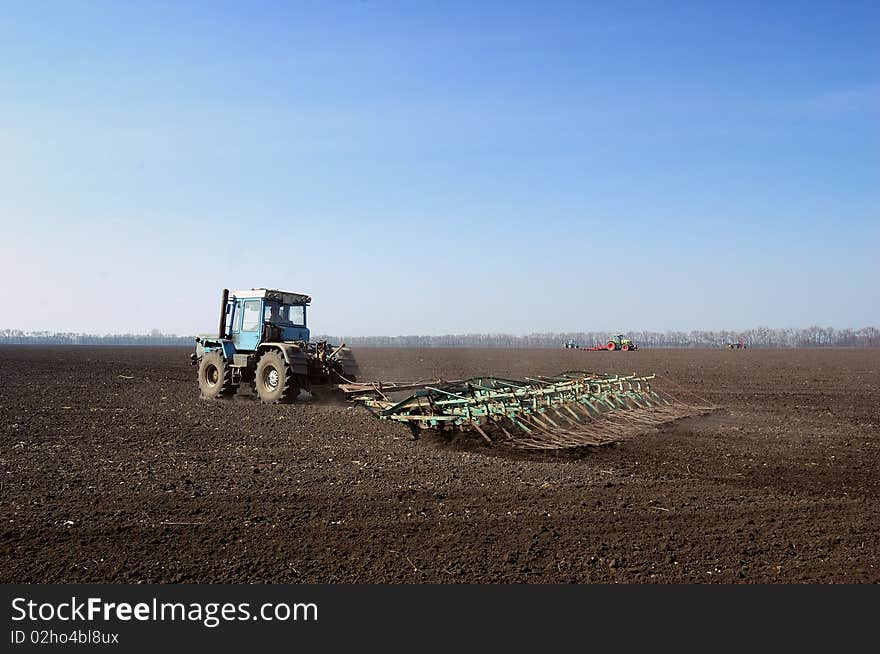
285,314
296,314
250,318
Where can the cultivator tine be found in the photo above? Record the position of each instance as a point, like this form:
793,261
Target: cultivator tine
572,409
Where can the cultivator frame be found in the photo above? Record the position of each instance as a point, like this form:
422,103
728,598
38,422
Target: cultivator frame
572,409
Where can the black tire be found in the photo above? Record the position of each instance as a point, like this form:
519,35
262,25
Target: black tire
274,380
215,377
349,370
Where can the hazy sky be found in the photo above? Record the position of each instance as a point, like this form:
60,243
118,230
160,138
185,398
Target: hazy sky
440,167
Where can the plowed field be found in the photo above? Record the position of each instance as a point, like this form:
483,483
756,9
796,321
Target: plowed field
112,470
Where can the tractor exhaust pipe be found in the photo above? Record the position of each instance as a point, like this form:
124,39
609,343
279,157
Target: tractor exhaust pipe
222,332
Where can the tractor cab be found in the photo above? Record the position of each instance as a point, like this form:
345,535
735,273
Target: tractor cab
265,316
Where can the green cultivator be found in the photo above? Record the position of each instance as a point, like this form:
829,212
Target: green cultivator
572,409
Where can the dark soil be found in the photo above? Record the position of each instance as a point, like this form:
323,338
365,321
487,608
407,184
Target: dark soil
112,470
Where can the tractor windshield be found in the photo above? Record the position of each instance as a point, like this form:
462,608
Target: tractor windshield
285,314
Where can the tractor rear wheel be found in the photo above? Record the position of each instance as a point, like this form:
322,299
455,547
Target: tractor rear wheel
612,346
274,380
215,377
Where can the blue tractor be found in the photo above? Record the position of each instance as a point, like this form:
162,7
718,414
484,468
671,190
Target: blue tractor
263,340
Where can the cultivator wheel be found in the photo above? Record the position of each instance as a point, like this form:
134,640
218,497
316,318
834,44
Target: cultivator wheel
569,410
215,377
274,381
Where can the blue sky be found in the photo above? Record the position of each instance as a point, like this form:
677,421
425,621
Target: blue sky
441,167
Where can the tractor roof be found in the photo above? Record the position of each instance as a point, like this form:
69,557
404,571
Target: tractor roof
270,294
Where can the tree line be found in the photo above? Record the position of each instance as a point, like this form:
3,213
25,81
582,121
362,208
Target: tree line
757,337
18,337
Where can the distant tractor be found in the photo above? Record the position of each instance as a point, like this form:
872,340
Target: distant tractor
738,345
570,345
263,340
620,342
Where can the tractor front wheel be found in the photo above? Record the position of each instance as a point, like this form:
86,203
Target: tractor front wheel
274,380
215,377
625,348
